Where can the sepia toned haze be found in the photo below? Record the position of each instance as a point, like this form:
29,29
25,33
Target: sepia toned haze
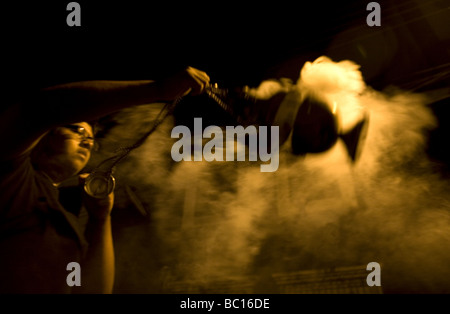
216,221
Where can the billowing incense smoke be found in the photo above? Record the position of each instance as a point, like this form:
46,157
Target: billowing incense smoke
227,220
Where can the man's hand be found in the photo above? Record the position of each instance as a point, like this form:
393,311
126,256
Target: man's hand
189,81
98,209
99,264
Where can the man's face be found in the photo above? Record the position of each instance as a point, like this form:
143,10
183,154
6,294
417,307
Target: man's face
67,149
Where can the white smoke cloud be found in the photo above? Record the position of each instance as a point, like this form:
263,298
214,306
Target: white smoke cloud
227,219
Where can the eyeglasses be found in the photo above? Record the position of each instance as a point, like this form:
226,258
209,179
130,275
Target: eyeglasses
81,133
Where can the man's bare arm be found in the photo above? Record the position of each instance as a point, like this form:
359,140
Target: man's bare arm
85,101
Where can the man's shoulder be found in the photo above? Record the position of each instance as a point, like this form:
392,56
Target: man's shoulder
14,165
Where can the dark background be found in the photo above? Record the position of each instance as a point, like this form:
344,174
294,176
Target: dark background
236,42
